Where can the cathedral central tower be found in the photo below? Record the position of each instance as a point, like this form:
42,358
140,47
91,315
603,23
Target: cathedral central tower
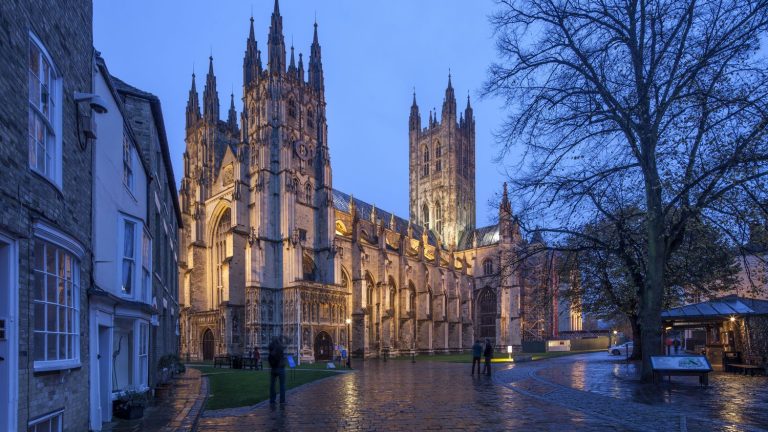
442,170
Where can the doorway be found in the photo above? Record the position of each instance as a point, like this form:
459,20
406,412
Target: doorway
8,333
208,345
323,347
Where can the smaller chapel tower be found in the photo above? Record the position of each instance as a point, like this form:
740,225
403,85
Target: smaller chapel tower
442,169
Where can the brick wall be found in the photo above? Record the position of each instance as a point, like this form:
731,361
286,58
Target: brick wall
65,29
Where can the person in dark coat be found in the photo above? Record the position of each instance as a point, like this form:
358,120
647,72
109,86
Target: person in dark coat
277,364
477,352
488,354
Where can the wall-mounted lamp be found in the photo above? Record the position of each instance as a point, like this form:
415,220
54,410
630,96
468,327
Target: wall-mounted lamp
96,102
85,125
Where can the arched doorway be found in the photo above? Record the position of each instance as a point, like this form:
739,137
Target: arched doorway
208,345
486,314
323,347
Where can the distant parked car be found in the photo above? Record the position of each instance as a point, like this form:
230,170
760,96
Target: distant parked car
621,349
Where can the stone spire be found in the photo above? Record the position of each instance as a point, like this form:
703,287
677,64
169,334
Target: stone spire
210,96
232,117
505,208
301,67
505,217
414,121
292,65
276,43
468,113
251,61
316,65
193,105
449,103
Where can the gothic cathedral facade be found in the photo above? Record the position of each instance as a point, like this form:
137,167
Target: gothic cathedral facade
270,249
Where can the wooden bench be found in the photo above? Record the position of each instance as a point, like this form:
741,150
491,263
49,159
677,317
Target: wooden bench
752,365
220,361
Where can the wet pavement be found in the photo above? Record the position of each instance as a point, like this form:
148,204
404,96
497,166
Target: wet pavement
178,410
592,392
399,395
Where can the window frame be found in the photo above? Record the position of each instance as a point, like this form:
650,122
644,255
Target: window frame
49,235
129,179
33,424
146,266
488,269
136,276
141,333
53,124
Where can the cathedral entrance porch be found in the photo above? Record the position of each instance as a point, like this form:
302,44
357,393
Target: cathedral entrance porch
323,347
208,345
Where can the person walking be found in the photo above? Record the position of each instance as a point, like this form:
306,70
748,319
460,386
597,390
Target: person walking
257,358
488,354
676,343
277,364
477,352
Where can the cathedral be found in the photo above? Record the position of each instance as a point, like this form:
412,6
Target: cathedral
271,249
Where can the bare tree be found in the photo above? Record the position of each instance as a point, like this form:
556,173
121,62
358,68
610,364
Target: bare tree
655,105
704,265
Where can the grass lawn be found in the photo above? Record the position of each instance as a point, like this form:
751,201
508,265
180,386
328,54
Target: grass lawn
229,388
498,357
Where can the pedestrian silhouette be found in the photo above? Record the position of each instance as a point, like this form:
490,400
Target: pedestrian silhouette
477,352
277,364
488,354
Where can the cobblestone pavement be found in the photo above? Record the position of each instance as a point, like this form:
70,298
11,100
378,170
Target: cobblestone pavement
176,411
586,392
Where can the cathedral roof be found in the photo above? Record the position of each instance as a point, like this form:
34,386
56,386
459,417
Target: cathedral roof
486,236
341,202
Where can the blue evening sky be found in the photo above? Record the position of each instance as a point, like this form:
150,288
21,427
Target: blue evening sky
374,54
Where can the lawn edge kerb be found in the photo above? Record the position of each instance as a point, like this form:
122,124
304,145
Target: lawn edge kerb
243,393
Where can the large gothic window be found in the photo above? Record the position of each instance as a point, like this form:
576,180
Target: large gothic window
292,108
310,118
308,193
438,157
425,215
487,313
308,268
425,168
429,301
220,252
438,219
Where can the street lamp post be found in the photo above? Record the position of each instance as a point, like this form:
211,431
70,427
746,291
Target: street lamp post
349,347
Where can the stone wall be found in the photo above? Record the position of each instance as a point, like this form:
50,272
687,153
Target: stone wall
65,29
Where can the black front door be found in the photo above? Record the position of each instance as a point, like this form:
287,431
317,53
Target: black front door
208,345
323,347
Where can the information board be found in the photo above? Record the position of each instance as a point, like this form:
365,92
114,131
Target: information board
291,362
681,363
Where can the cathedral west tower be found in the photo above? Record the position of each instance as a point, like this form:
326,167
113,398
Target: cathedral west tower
442,170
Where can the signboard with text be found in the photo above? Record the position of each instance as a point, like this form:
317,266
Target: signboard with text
681,363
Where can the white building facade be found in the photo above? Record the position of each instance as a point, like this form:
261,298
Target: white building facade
120,309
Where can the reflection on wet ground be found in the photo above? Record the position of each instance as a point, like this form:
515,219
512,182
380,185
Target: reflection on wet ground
729,397
175,411
399,395
590,392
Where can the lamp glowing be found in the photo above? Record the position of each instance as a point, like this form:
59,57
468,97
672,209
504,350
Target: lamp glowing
348,321
733,319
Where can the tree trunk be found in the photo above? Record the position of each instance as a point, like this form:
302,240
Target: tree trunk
652,294
637,351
